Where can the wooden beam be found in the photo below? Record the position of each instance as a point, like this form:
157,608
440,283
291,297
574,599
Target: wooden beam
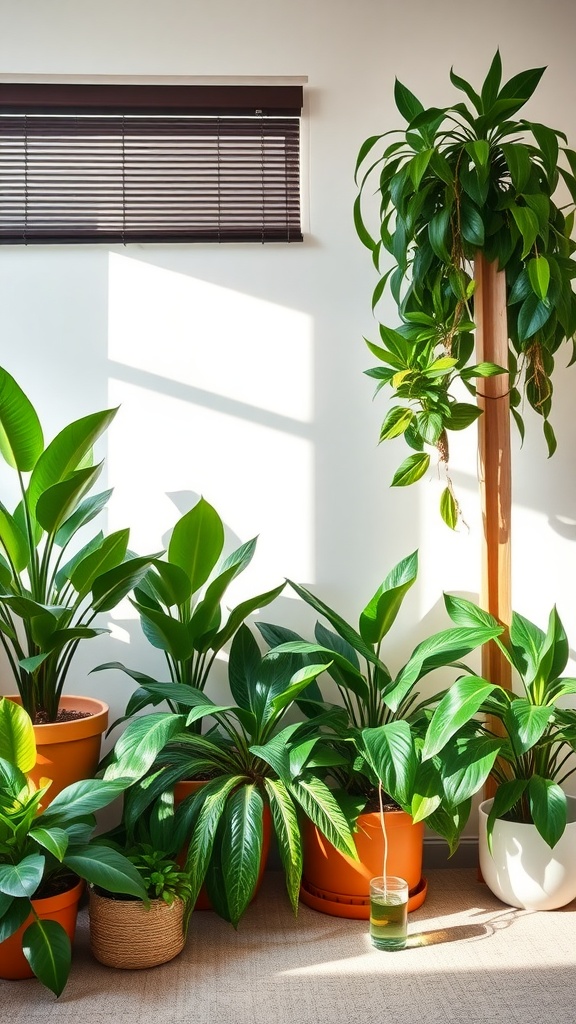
494,465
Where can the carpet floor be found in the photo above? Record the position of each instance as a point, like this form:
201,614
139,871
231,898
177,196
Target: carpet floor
469,960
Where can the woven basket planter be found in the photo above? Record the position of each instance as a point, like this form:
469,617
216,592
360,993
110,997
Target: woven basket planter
126,934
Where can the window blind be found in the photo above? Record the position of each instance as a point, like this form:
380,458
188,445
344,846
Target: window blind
104,163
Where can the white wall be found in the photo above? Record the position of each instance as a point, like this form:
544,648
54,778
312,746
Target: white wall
238,368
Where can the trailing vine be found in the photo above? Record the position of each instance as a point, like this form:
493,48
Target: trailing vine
455,182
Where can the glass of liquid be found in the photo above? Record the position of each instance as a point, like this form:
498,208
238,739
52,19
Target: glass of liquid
388,912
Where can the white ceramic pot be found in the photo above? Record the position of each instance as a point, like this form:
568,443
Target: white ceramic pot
522,870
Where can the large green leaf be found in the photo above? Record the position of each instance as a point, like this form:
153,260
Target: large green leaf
107,868
548,807
243,667
412,469
213,799
46,947
141,742
196,542
66,453
21,439
466,764
459,705
13,541
110,553
319,804
287,836
22,878
79,799
109,588
85,513
391,753
241,850
527,641
407,103
166,632
17,743
241,612
55,840
58,502
380,613
526,723
13,913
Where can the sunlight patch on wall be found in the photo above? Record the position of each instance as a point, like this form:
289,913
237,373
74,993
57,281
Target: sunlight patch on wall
205,336
206,411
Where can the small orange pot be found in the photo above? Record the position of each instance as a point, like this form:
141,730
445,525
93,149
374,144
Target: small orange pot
67,752
333,882
186,788
62,908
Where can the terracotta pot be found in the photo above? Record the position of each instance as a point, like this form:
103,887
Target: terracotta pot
522,870
338,885
62,908
67,752
184,789
131,936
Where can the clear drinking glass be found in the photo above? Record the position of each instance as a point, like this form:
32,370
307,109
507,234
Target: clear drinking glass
388,912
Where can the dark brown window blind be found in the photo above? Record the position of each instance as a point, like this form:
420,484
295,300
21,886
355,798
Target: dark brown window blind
130,163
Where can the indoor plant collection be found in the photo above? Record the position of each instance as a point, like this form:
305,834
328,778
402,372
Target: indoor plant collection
458,181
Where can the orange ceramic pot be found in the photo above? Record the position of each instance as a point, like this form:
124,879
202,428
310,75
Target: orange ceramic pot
62,908
67,752
184,789
338,885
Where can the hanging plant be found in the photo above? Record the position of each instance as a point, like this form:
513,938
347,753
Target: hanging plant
455,182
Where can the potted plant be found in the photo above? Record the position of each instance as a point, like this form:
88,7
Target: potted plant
527,831
258,775
180,603
387,706
49,597
457,186
45,855
131,933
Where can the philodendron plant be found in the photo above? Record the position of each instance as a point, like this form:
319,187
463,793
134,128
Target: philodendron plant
180,603
250,760
49,597
454,182
386,706
44,852
536,739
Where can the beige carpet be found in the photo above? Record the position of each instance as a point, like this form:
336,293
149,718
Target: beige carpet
470,959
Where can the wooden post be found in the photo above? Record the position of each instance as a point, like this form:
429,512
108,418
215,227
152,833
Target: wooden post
494,466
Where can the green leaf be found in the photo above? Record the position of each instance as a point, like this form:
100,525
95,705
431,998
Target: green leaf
17,743
110,553
397,421
482,370
492,82
550,437
466,765
110,587
13,913
241,849
103,866
391,754
406,102
380,613
212,801
85,513
54,840
472,225
548,808
46,947
519,164
319,804
462,415
78,800
23,878
13,541
141,742
196,543
534,313
460,704
21,439
528,226
66,453
539,274
241,612
57,503
525,724
418,166
449,508
465,87
287,836
522,86
412,469
439,234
